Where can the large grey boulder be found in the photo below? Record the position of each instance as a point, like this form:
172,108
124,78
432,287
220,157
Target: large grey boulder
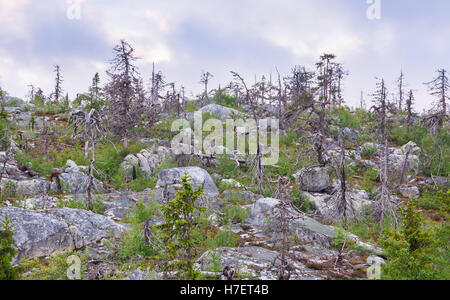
412,148
322,203
399,159
25,188
264,215
264,212
32,187
76,183
43,233
198,177
314,180
220,111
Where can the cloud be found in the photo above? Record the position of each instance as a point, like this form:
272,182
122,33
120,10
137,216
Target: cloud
251,37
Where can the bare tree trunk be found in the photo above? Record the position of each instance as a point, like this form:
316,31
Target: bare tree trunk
91,177
86,149
125,139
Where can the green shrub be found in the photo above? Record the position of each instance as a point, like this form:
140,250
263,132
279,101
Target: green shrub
226,167
436,199
234,214
7,252
436,158
300,200
402,135
177,233
97,206
416,254
143,211
369,150
54,268
225,238
290,139
223,98
134,244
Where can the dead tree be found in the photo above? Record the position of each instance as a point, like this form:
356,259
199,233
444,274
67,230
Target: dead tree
282,220
384,206
409,109
124,91
341,207
439,88
241,89
157,83
89,127
299,82
339,75
401,85
57,94
32,92
205,78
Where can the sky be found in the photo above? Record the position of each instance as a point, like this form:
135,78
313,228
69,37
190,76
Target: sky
252,37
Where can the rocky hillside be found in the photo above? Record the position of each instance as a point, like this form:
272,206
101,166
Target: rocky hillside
46,202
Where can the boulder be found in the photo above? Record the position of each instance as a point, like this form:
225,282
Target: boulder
322,203
43,233
398,158
72,167
314,180
76,183
410,192
412,148
33,187
25,188
219,111
198,177
309,231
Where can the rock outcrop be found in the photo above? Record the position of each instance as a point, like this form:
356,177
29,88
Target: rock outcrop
147,160
198,177
43,233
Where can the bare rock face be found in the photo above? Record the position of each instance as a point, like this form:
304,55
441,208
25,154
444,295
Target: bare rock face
42,233
263,215
198,177
313,179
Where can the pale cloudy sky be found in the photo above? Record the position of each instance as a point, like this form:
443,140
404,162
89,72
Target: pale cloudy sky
253,37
